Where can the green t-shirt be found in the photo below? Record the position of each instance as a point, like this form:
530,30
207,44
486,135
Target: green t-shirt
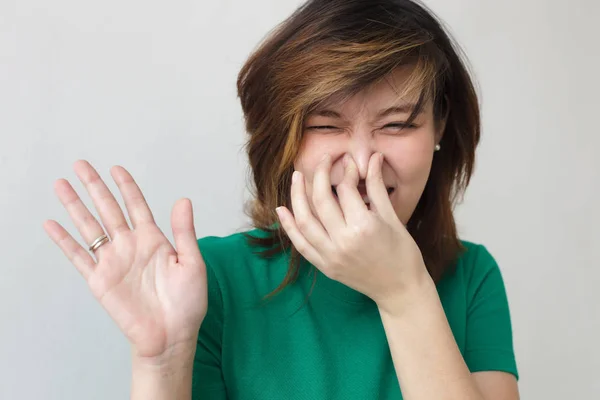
331,345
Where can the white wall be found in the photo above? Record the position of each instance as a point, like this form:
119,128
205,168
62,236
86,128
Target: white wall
150,85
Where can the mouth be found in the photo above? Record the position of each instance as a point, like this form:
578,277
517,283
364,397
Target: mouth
363,193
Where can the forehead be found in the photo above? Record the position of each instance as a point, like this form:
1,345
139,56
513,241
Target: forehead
390,91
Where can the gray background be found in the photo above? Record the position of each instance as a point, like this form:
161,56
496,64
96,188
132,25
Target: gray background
150,85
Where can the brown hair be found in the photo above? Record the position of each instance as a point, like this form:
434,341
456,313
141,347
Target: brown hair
333,47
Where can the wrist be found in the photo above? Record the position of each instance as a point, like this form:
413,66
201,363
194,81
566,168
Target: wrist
163,378
174,358
421,292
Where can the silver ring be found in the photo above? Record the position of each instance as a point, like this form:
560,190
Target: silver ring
98,242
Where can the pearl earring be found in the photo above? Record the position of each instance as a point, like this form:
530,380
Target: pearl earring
437,147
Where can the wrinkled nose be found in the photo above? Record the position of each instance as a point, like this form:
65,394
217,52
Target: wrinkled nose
361,150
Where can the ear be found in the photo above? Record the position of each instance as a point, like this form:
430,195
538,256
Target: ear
441,125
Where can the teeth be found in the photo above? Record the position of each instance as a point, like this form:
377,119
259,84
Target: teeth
365,197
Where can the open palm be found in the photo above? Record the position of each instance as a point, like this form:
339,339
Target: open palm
154,292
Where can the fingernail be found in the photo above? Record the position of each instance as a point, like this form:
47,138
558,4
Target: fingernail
381,157
325,157
345,160
295,177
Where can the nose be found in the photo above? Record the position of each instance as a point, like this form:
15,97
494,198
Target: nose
361,149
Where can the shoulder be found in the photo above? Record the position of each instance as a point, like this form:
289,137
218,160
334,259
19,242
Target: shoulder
237,266
474,253
227,252
234,247
475,267
482,278
475,260
222,246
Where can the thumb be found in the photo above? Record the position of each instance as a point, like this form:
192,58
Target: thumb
184,233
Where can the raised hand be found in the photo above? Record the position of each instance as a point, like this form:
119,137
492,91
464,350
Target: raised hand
154,292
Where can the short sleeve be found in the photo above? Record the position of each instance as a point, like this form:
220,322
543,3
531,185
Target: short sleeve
207,379
489,340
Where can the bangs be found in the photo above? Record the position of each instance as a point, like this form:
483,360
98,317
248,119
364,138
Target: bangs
418,88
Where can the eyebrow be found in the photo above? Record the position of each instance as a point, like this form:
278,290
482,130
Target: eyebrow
402,109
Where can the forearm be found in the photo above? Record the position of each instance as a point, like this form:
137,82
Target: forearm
426,357
170,380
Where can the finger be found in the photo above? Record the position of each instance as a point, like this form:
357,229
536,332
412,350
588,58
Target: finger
184,233
79,257
87,225
301,244
351,200
326,206
108,209
306,222
376,190
137,207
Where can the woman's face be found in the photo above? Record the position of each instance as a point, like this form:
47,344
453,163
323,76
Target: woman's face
370,122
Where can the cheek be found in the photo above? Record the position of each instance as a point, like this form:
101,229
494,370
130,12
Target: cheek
309,156
415,168
411,164
410,161
311,152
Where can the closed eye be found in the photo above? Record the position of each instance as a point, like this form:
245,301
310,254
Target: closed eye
399,125
322,127
395,125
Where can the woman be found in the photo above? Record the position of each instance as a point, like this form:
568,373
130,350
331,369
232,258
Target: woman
353,284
